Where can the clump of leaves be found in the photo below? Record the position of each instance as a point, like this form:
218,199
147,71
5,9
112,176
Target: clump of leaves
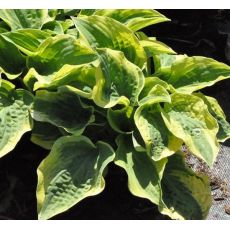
93,89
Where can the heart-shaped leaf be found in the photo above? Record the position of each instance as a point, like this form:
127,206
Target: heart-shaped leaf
72,171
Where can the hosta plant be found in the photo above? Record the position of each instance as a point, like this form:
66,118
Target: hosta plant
94,89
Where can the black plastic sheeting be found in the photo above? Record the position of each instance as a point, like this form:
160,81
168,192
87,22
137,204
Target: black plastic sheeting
196,32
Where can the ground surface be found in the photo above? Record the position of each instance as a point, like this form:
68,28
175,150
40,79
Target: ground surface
195,32
219,181
221,187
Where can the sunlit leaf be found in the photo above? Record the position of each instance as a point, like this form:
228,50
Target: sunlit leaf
117,80
62,61
26,40
193,73
14,116
103,32
153,47
186,195
159,141
135,19
216,111
57,51
72,171
188,118
144,175
24,18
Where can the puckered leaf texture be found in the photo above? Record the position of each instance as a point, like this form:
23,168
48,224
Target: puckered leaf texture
15,119
71,172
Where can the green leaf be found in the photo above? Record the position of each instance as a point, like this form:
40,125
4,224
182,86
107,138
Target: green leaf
53,27
26,40
64,110
193,73
120,119
117,80
6,92
144,175
104,32
71,12
24,18
216,111
138,142
62,14
188,118
159,141
134,19
62,61
150,83
163,63
79,79
86,12
53,12
154,50
14,116
154,90
66,24
153,47
72,171
186,195
55,52
44,134
3,27
12,62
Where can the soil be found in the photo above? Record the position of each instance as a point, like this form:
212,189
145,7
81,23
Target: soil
194,32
